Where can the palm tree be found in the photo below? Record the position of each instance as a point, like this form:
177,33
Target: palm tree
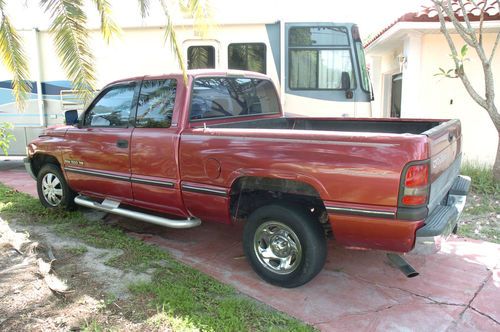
71,38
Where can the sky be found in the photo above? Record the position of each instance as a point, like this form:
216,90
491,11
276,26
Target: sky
370,15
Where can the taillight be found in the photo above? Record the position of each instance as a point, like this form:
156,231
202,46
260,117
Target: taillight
415,185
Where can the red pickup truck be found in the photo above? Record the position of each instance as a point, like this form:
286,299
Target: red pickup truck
218,149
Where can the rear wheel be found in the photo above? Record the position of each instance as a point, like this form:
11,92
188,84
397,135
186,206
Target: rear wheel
53,191
285,245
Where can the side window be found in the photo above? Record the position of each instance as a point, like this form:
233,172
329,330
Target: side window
155,104
250,56
201,57
232,97
112,109
319,69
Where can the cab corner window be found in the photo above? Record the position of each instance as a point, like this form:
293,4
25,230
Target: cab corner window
200,57
112,109
220,97
155,104
251,56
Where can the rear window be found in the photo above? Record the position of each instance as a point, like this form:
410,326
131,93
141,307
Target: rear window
223,97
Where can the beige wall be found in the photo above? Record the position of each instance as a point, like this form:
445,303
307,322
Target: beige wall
447,98
440,97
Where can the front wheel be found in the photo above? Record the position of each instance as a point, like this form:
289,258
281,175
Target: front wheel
285,245
53,191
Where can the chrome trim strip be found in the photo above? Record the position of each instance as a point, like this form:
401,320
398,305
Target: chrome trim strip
167,184
97,173
360,212
204,190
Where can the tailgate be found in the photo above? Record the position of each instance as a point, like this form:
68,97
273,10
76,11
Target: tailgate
445,151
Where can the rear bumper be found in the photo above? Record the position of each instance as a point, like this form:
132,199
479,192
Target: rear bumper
443,220
29,169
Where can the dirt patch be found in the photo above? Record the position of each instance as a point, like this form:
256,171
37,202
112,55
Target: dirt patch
51,283
481,218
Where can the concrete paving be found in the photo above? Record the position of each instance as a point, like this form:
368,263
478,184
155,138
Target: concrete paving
458,288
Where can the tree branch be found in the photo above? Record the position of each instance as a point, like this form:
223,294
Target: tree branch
461,30
466,17
465,80
494,48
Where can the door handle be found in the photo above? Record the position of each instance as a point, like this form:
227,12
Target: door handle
122,143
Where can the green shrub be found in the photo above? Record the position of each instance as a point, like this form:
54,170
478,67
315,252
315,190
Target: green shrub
6,136
483,181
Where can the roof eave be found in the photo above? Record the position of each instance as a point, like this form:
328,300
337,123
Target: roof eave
399,29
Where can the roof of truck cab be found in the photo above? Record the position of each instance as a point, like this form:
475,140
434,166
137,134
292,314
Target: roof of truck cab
194,73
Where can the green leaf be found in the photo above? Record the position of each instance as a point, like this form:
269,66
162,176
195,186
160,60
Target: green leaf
463,50
71,42
6,136
171,37
108,25
200,11
14,59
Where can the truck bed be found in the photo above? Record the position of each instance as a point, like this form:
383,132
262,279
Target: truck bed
390,126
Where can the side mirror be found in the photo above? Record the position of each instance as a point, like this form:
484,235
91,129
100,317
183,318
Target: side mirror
71,117
345,81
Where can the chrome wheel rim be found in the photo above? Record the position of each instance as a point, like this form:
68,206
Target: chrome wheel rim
277,247
52,189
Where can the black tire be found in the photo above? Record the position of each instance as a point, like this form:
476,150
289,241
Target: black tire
58,184
306,230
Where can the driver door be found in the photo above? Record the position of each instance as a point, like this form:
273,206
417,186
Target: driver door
97,157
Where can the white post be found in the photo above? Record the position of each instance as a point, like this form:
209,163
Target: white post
376,78
282,62
37,73
411,68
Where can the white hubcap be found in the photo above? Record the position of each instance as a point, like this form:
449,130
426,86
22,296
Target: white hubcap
52,189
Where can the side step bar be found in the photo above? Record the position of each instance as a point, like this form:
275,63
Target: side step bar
113,207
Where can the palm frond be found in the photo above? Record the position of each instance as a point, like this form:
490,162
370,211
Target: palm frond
108,25
201,12
14,59
171,36
197,57
71,41
144,7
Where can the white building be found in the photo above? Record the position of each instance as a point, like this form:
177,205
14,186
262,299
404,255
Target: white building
404,58
306,57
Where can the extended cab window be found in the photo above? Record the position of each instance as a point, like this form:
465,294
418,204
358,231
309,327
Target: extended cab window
112,109
156,104
232,97
201,57
317,58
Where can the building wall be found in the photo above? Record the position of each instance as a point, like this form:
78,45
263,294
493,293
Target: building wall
445,98
136,52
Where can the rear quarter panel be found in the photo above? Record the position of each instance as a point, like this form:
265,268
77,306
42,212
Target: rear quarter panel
346,168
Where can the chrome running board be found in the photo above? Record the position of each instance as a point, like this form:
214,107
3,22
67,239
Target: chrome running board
112,206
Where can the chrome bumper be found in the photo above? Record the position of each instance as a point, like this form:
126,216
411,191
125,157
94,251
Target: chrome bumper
443,220
29,170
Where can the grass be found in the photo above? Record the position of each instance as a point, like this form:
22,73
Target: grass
77,251
179,297
481,218
483,181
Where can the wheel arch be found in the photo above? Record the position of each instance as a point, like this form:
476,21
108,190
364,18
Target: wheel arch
248,193
40,159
